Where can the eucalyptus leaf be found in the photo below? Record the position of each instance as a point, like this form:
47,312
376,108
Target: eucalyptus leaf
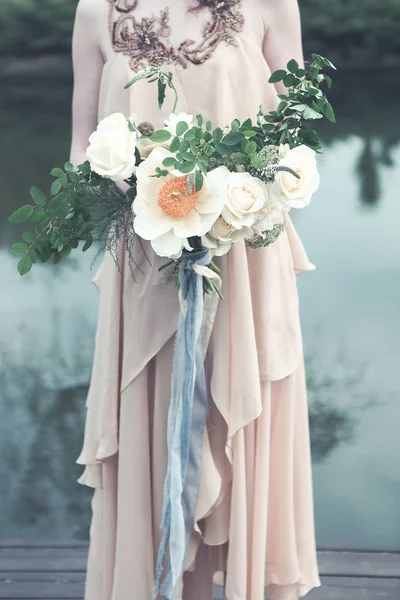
56,172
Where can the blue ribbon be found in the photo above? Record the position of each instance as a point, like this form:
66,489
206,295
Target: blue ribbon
186,423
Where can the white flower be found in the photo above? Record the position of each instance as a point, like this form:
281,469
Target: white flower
165,213
245,197
111,150
267,218
222,235
287,191
173,120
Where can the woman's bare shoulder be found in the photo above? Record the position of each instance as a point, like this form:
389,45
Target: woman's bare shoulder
90,10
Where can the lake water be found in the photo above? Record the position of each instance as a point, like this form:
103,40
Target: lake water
349,308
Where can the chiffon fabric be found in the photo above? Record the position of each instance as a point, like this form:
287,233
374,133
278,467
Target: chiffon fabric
254,529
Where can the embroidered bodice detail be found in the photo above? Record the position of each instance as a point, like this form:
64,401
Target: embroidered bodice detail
148,40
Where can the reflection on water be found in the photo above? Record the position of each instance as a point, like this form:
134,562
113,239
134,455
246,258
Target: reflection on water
349,313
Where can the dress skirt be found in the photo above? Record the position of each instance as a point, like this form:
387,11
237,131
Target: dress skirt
254,531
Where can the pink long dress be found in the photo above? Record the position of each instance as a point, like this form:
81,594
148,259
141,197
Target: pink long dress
254,529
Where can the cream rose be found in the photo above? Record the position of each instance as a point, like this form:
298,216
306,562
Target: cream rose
287,191
222,235
111,150
245,197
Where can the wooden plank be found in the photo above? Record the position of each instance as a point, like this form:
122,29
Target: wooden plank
356,588
333,588
360,564
54,564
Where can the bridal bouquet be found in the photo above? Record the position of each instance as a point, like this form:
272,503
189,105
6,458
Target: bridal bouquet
185,186
192,191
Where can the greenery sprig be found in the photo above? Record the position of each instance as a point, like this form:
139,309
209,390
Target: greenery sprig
199,148
61,222
83,206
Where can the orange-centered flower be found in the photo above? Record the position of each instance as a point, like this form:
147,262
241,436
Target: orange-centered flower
175,200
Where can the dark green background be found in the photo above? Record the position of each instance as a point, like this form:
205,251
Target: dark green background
354,33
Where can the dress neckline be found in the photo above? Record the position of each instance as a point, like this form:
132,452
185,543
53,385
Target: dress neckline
147,40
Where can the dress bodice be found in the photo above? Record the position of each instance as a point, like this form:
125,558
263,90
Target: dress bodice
215,55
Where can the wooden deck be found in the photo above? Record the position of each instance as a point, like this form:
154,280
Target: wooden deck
56,571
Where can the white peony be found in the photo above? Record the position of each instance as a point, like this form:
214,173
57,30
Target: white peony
173,120
287,191
111,150
165,212
222,236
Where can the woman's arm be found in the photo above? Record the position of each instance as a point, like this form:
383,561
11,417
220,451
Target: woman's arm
88,64
282,39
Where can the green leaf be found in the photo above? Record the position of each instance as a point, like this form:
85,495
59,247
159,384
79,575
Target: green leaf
190,134
289,80
175,144
256,162
161,93
188,156
200,120
186,167
299,107
222,148
169,161
24,265
56,187
277,76
232,138
85,168
199,179
38,196
293,66
251,148
218,134
21,214
56,172
69,167
183,146
309,113
28,236
38,215
208,125
329,113
87,244
19,248
235,125
160,136
181,127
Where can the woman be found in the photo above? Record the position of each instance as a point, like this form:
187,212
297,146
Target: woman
254,528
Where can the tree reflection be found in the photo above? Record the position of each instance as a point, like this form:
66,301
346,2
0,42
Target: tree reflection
364,111
42,413
337,396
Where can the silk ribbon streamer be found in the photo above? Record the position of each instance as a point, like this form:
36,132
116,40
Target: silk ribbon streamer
186,423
